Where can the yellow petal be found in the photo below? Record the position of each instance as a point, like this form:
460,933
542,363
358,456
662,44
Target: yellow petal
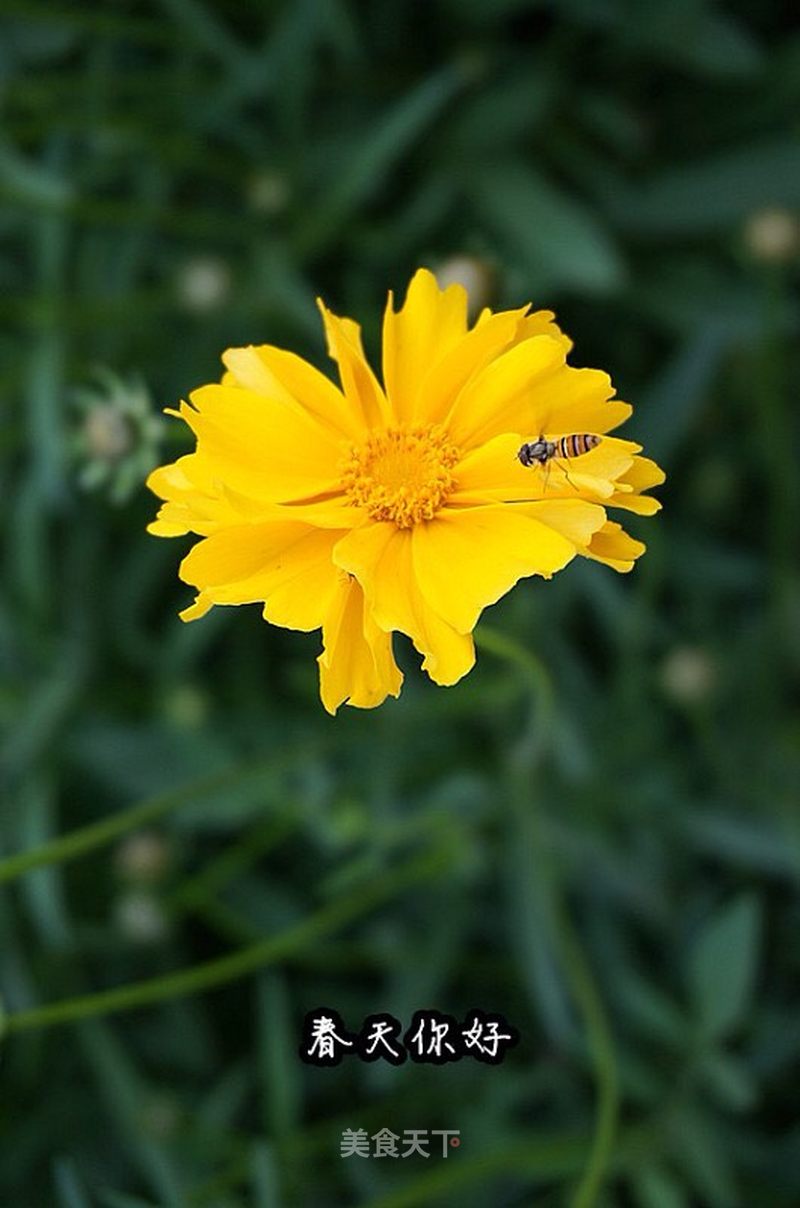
614,547
285,565
643,474
260,446
361,387
502,397
380,556
195,502
494,471
542,323
418,336
576,519
291,380
201,606
443,381
300,595
170,522
467,559
642,505
326,511
578,400
356,666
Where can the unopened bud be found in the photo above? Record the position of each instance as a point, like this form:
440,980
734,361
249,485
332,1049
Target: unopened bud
268,193
475,275
140,917
204,283
773,235
143,857
186,706
688,675
107,433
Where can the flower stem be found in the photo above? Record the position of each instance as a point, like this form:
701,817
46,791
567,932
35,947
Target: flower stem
238,964
590,1004
579,974
97,834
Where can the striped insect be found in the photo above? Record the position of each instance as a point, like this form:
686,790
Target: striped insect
541,452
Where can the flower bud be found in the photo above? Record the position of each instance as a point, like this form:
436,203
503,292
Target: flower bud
140,917
772,235
268,193
204,283
477,277
116,440
143,857
688,675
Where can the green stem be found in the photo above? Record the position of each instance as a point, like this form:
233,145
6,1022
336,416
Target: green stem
539,730
579,974
499,644
590,1004
237,964
204,885
144,813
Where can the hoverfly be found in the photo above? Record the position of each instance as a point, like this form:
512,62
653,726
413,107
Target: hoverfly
541,452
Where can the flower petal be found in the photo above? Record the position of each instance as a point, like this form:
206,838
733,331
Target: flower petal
580,400
195,502
502,397
380,556
465,560
542,323
444,379
418,336
285,565
361,387
494,471
286,377
576,519
202,605
260,446
614,547
642,475
356,666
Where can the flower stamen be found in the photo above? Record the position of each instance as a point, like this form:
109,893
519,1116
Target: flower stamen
401,475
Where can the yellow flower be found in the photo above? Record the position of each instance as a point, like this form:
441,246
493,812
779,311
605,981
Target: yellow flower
372,508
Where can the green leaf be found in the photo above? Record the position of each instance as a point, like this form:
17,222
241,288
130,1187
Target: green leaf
755,844
560,242
729,1081
70,1188
654,1187
706,1162
376,152
722,966
699,197
693,37
279,1076
673,402
124,1092
110,1198
264,1176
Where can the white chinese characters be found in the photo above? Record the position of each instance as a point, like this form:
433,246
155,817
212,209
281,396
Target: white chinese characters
417,1142
432,1038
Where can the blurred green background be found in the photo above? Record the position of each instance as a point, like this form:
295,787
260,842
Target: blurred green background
605,845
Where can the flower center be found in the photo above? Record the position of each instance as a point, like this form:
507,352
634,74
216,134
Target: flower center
402,474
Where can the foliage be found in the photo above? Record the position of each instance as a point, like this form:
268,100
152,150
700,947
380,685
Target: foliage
616,871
